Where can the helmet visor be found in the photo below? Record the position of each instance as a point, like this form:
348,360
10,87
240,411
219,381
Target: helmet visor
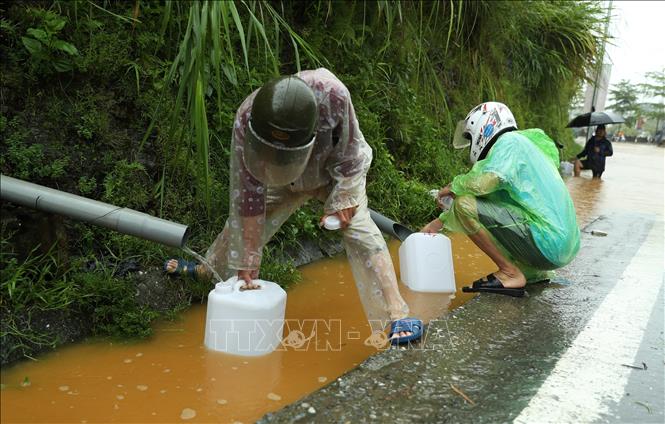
462,137
274,164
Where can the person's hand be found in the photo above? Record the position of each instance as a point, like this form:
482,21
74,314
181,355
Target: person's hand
345,216
248,276
433,227
445,191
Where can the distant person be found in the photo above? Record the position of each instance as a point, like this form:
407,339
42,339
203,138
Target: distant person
513,203
297,138
596,150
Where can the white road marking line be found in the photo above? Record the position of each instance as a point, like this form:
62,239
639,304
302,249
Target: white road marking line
589,377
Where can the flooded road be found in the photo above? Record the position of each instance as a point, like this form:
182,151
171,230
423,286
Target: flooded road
172,377
589,349
633,181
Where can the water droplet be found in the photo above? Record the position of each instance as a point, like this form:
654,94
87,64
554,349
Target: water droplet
187,414
274,396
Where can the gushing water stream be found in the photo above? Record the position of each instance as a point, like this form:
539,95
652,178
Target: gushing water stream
205,263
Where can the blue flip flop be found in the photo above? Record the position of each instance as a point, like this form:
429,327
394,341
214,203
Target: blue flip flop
412,325
184,267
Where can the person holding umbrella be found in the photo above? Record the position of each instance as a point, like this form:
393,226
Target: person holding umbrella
595,151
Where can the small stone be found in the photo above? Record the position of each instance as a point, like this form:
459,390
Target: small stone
162,391
372,416
138,355
311,410
323,379
120,397
199,390
63,388
127,361
305,405
222,401
142,387
167,370
187,414
274,396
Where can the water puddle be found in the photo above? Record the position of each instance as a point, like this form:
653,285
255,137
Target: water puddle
633,181
173,378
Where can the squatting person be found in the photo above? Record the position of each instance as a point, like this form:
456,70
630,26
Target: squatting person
513,203
294,139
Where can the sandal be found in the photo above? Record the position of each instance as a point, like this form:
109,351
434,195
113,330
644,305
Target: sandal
491,284
412,325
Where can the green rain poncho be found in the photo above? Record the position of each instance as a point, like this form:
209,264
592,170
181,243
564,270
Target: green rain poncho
518,189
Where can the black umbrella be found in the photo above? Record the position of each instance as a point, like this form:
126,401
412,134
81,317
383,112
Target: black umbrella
591,119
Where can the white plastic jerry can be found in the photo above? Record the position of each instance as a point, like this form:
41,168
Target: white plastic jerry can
426,263
245,322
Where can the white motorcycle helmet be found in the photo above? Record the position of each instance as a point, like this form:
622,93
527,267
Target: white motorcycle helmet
481,127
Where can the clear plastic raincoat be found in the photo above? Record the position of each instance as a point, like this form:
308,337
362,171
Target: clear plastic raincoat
335,174
517,194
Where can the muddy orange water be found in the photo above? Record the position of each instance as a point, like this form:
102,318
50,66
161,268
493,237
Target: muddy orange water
172,377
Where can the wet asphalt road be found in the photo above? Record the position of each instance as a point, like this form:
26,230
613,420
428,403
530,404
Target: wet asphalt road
586,348
502,352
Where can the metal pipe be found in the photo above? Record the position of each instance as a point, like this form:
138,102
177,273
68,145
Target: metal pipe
390,227
123,220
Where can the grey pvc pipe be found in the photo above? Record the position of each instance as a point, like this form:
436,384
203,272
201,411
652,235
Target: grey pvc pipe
390,227
123,220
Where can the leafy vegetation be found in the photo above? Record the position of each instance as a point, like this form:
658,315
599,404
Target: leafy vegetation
133,103
628,100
